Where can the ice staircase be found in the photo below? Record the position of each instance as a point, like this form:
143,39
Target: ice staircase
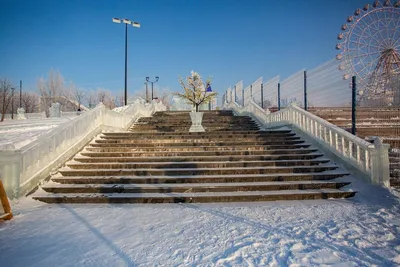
159,161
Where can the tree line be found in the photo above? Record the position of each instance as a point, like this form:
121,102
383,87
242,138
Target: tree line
55,89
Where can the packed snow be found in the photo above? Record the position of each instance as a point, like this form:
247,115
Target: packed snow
14,134
361,231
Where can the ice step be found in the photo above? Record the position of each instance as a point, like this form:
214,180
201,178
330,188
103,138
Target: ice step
193,164
127,179
112,158
193,171
192,187
202,197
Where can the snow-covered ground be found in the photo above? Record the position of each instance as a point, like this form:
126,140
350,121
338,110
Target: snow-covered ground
15,134
362,231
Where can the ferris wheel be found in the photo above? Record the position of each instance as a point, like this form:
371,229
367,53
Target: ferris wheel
370,47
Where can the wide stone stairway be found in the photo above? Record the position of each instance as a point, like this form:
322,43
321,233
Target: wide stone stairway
160,161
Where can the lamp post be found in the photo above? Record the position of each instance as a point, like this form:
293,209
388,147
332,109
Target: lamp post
152,82
12,102
134,24
147,93
20,94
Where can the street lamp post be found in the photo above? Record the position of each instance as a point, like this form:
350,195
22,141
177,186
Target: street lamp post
20,94
152,82
134,24
147,93
12,102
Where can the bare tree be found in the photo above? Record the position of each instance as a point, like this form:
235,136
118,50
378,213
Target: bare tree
101,95
51,89
139,94
5,96
119,100
91,99
110,102
55,83
165,97
79,96
30,102
105,97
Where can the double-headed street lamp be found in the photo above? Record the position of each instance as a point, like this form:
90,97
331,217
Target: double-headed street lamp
134,24
147,80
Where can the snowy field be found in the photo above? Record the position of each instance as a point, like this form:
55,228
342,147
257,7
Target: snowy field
14,134
362,231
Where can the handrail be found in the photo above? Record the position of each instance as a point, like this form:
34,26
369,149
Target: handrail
334,127
24,167
370,159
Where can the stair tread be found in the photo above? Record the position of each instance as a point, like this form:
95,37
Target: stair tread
237,151
190,185
188,148
200,133
202,157
332,172
199,194
194,169
200,162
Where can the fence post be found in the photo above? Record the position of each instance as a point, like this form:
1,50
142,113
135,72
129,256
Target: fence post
353,105
251,92
305,90
279,96
243,96
262,95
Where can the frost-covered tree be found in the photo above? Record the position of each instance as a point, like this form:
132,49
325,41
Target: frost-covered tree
195,92
30,102
104,96
5,96
50,90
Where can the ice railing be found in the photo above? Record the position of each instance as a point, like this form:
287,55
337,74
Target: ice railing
370,159
19,167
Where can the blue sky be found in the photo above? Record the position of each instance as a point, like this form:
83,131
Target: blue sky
230,40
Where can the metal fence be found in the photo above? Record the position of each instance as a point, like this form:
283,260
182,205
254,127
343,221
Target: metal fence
270,93
238,93
326,86
247,95
292,90
367,111
256,91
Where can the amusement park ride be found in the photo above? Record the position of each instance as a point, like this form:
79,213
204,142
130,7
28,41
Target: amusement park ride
370,50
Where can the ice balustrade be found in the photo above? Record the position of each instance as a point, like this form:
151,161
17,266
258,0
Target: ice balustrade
372,160
21,169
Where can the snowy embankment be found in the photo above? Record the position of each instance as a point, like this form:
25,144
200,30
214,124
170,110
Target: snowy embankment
361,231
14,134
